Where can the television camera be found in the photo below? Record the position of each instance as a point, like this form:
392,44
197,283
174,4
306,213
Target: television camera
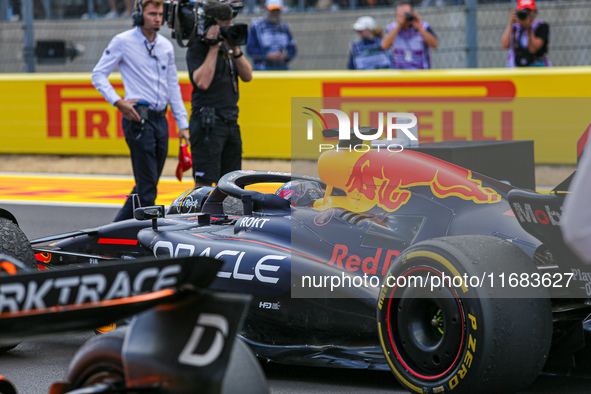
191,20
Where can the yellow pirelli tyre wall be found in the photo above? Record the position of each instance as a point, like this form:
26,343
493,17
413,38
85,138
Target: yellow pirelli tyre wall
64,114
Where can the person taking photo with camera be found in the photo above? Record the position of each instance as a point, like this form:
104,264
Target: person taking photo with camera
411,39
146,63
214,66
526,37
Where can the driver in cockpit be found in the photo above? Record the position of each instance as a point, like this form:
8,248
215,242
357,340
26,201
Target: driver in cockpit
301,193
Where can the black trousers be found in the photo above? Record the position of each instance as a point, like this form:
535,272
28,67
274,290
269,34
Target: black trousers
216,150
148,147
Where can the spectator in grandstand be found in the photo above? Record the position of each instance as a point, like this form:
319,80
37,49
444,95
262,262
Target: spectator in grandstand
366,53
114,12
441,3
270,42
13,10
146,62
437,3
410,38
526,37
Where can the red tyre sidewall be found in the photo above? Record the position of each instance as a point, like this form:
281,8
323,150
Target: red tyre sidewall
462,371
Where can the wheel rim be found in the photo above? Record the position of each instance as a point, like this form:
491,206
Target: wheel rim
426,329
110,376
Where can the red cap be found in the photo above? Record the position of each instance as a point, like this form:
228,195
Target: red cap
531,4
185,161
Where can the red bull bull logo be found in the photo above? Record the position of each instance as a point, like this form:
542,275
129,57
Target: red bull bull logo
381,178
42,260
43,257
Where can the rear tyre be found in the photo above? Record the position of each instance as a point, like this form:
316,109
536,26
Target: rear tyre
463,337
14,242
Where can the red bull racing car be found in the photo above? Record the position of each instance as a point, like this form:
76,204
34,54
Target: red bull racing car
388,260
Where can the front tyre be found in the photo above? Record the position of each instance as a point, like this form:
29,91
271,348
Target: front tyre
14,242
99,360
442,335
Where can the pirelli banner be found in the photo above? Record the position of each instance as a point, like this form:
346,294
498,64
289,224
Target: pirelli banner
64,114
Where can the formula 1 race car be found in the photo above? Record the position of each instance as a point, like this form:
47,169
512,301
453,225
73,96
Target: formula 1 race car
387,260
164,295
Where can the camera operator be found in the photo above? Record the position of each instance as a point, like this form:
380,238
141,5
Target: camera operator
411,39
146,63
214,67
526,37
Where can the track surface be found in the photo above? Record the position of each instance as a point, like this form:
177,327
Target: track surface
79,189
87,190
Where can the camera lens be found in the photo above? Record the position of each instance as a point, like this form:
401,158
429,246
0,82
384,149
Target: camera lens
236,34
409,16
522,14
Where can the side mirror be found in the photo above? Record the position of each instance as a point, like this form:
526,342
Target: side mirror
147,213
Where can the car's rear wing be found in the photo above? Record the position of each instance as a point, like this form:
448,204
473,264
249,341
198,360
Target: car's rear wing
46,302
539,215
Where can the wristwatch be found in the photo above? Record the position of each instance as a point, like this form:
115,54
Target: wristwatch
237,56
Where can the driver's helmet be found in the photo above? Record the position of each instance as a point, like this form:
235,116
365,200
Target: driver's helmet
301,193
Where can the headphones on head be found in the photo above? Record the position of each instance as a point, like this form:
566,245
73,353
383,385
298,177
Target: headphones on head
138,15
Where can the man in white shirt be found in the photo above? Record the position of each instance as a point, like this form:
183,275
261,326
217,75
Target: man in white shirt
146,63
